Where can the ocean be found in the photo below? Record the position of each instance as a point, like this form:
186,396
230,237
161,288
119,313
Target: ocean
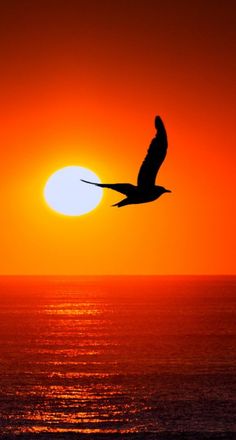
130,357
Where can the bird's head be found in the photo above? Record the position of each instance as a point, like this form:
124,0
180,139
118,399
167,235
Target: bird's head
161,190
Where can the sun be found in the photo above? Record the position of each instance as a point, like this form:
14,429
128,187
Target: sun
65,193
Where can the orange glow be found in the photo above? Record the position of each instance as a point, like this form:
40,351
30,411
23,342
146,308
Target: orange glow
80,85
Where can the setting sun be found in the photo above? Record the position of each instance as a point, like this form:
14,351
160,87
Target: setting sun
65,193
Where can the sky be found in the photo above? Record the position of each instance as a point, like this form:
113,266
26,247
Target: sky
81,83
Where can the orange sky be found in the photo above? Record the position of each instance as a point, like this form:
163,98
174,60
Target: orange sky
81,82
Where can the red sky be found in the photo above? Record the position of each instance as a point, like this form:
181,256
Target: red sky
81,82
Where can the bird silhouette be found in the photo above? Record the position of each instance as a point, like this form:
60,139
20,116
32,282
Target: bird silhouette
146,190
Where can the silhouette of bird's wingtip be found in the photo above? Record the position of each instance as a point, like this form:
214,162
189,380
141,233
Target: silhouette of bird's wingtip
158,121
86,181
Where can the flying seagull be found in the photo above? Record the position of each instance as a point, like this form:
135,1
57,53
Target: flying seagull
146,190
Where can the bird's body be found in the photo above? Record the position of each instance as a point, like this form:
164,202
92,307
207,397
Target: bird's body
139,195
146,190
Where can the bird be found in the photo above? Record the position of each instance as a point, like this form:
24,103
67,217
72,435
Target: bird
145,190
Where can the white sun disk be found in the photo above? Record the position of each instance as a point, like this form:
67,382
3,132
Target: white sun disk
65,193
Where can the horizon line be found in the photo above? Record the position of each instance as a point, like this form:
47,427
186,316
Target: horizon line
123,275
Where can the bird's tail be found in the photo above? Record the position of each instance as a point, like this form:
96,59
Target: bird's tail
121,203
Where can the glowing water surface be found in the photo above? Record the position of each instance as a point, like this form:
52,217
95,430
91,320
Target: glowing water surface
117,355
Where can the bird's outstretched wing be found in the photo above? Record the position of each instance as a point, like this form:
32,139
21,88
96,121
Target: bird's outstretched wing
123,188
155,156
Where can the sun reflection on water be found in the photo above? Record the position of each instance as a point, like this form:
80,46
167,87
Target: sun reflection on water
82,359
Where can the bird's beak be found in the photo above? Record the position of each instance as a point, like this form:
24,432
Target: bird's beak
168,191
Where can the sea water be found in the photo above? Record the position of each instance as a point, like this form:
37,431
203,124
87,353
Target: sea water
133,357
